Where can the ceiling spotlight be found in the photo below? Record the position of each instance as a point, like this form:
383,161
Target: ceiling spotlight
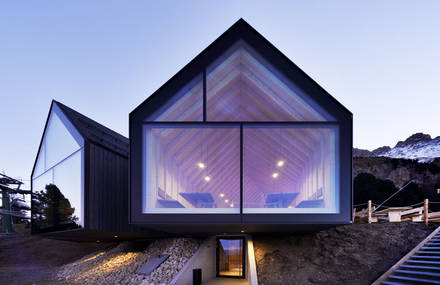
226,200
222,195
232,205
207,178
280,163
275,175
201,165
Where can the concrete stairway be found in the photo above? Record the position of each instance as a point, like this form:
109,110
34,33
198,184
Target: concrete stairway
420,266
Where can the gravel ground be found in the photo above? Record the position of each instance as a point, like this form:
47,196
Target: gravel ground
352,254
119,265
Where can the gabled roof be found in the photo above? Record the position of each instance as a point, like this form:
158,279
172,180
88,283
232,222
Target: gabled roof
95,132
241,30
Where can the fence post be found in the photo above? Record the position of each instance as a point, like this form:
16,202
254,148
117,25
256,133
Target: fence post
425,210
369,211
354,214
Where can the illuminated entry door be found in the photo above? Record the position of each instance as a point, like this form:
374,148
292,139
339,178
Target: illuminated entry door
231,257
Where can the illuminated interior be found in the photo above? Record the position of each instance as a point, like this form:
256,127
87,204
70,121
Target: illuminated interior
261,135
230,257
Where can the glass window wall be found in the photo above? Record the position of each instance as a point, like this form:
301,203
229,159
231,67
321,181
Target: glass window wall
290,169
191,169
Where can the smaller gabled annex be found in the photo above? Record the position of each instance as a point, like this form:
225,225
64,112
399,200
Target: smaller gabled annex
80,179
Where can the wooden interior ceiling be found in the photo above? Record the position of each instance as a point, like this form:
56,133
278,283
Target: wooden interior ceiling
241,87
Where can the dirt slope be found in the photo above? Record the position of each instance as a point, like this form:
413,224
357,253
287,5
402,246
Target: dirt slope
352,254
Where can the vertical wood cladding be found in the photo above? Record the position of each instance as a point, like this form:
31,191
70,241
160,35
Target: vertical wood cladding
107,190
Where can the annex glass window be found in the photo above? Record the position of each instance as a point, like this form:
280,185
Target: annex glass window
290,169
191,169
186,105
57,183
243,86
231,257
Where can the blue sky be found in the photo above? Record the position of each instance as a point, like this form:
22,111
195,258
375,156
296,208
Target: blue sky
381,59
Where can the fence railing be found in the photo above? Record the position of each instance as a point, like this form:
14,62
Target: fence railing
414,213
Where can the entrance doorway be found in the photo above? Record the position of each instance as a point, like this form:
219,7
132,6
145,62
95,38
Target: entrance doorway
231,258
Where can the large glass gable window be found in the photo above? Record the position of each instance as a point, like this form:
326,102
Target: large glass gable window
240,138
243,86
57,182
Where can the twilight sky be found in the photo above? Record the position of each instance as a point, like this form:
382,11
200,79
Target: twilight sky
381,59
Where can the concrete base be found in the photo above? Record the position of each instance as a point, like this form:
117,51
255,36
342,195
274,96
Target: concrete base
205,259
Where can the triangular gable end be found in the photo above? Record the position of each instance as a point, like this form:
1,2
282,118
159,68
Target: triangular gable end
243,80
60,140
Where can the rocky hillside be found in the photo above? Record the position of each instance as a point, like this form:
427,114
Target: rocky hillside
418,146
400,171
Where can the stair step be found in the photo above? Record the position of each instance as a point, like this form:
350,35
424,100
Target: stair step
423,262
418,273
412,279
426,257
428,252
421,267
430,247
392,283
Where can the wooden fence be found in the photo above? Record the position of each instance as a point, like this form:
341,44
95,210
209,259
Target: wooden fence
396,214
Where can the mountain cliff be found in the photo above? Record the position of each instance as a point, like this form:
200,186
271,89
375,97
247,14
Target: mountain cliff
419,146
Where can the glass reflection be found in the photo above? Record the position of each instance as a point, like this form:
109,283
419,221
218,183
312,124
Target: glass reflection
51,209
230,257
56,196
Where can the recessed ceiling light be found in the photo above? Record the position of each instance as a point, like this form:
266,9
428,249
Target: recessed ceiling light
275,175
222,195
201,165
232,205
207,178
280,163
226,201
